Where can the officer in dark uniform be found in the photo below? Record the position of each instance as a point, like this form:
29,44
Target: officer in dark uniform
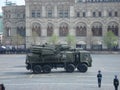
99,77
2,87
116,82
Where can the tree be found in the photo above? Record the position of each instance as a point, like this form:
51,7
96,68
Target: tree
70,39
53,39
110,40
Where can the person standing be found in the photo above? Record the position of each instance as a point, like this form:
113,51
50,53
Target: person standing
99,77
116,82
2,87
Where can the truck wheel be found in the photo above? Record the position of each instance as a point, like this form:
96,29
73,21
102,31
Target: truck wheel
70,68
46,69
82,67
37,69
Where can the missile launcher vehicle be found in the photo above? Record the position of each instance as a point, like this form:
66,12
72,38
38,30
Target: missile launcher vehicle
43,58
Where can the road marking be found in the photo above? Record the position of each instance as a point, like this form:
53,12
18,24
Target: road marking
31,76
73,84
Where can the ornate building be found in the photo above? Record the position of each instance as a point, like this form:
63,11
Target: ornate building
87,20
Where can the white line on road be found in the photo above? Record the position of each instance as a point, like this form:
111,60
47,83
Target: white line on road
80,84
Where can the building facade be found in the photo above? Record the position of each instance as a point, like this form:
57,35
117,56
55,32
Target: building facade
87,20
1,28
14,25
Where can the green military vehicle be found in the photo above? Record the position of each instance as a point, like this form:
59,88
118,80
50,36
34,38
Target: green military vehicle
43,58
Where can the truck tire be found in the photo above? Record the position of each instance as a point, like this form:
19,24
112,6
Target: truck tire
37,69
82,67
46,68
70,68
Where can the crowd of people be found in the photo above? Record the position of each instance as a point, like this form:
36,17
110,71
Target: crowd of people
13,50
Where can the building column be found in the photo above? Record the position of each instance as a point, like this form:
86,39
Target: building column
104,31
44,30
71,11
71,29
28,34
119,37
56,29
89,37
43,11
55,11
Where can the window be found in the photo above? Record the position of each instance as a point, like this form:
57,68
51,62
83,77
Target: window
33,13
94,14
96,47
63,29
84,14
36,30
18,15
116,14
49,31
23,15
61,14
8,30
114,29
79,0
99,14
97,29
80,31
21,31
66,13
110,14
38,14
78,14
49,13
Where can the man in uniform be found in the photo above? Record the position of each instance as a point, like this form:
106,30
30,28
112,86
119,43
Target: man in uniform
99,77
116,82
2,87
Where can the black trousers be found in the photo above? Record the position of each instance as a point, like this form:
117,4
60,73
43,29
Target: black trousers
99,83
116,87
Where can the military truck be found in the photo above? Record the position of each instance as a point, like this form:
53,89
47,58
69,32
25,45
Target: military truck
43,58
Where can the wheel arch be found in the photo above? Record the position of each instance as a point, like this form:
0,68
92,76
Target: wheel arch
86,63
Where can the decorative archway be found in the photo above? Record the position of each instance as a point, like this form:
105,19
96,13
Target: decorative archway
50,29
81,29
114,27
96,29
63,29
36,29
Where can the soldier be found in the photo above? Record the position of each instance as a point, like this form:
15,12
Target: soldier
2,87
116,82
99,76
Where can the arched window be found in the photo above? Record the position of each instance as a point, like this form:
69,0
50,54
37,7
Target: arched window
81,29
36,29
8,31
96,29
49,29
21,30
63,29
113,26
